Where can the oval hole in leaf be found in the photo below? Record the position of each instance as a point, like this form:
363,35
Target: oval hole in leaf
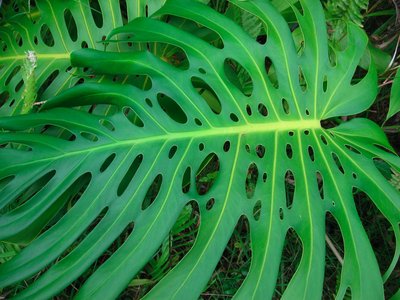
285,106
352,149
234,117
152,192
271,72
12,74
171,108
49,80
248,110
130,173
323,139
238,76
56,131
257,210
289,151
6,180
227,146
265,177
28,192
18,38
19,86
210,204
132,116
311,153
107,162
325,84
281,214
89,136
290,185
302,80
97,14
260,150
124,11
71,25
338,162
186,179
208,94
107,124
172,151
251,180
207,173
320,183
46,35
262,109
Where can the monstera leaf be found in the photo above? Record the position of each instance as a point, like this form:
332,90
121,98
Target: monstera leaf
69,197
53,29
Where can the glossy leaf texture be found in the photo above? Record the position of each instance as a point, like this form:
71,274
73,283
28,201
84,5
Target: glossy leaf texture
54,29
394,106
107,163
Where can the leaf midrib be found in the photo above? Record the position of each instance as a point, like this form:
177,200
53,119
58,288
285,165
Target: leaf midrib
214,131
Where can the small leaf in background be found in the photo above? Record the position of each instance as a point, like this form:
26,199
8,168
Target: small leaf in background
394,106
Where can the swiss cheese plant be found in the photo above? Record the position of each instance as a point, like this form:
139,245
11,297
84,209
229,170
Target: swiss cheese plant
251,109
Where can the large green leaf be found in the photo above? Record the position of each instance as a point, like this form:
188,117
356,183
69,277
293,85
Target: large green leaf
53,29
107,163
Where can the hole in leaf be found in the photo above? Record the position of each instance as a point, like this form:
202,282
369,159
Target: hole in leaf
46,35
234,117
148,102
96,13
71,25
290,185
281,215
12,74
56,131
260,150
311,153
201,146
152,192
6,180
198,122
265,177
257,210
210,204
171,108
238,76
337,162
251,180
227,146
28,192
202,71
124,11
325,84
285,106
129,174
359,75
107,124
89,136
352,149
247,148
186,180
208,94
302,80
131,115
49,80
84,44
172,152
248,110
107,162
19,85
262,109
207,173
271,72
320,183
323,139
289,151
